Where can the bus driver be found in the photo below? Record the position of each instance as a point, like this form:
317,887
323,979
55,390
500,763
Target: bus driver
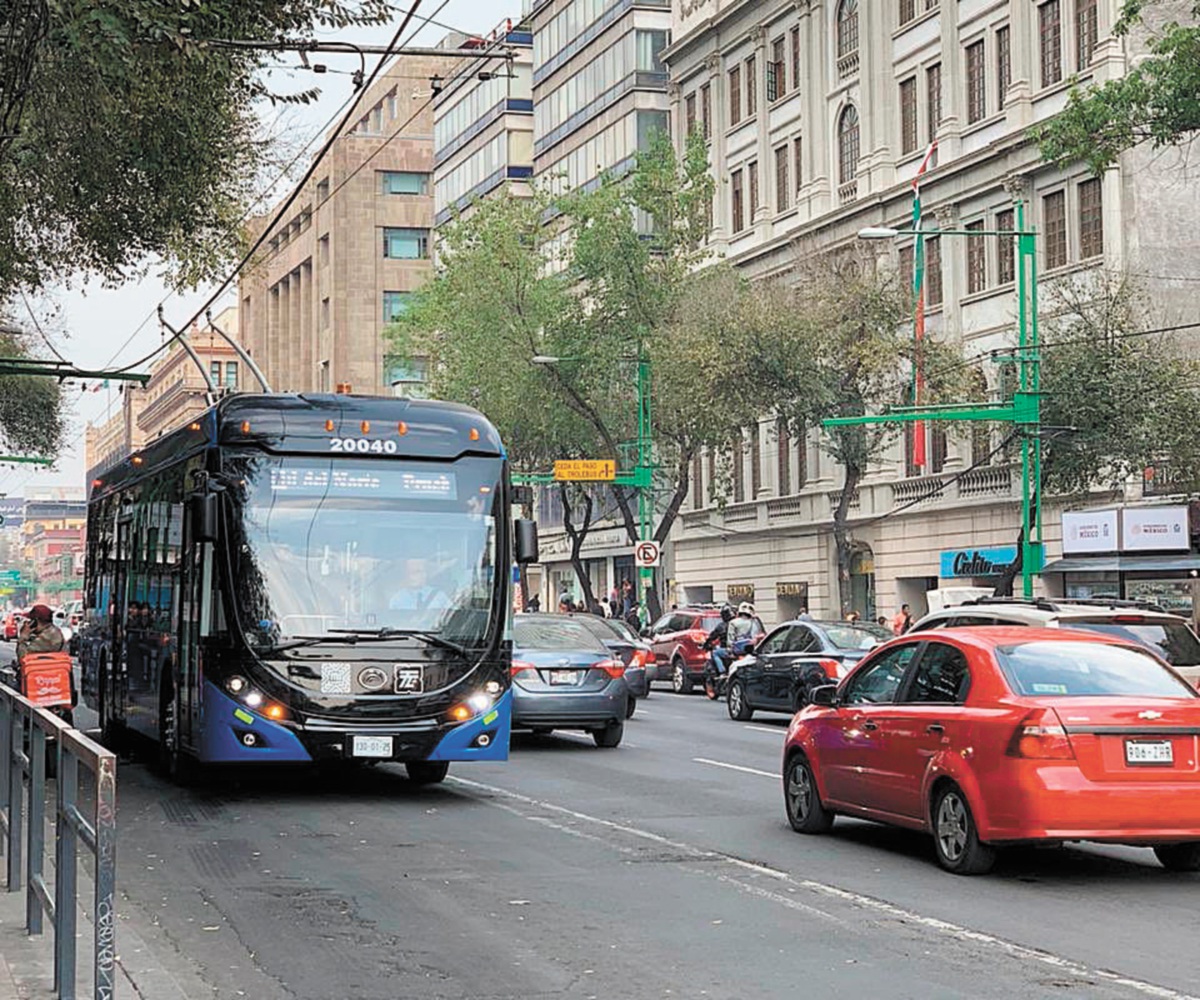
416,593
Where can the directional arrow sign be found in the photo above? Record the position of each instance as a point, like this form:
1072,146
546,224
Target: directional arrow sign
10,575
585,470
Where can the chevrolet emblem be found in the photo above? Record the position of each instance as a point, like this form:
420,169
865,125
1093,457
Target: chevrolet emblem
1149,715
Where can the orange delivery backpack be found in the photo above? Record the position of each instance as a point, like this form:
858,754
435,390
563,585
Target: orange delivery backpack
46,679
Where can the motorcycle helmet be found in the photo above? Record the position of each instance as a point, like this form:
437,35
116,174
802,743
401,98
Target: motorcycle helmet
727,613
746,608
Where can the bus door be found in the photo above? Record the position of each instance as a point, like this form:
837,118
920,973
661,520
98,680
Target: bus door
197,556
119,615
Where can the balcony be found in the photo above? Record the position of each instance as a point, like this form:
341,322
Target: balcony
847,65
848,192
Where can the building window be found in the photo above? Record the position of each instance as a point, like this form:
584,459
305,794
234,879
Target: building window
1006,268
697,482
1054,224
908,11
689,113
752,173
214,372
1086,32
783,191
395,305
777,71
908,115
847,28
323,251
406,244
231,374
322,190
739,469
1003,65
323,375
1050,34
1091,219
933,271
403,182
933,94
407,377
976,259
706,110
937,448
907,263
751,88
976,83
755,461
798,162
848,145
325,314
795,59
735,95
739,217
784,441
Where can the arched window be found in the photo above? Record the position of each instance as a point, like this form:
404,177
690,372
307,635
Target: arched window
848,145
847,27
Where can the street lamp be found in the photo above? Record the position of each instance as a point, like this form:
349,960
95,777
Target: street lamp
1025,409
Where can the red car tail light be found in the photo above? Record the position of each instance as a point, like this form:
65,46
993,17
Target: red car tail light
614,668
640,658
1041,736
832,669
520,667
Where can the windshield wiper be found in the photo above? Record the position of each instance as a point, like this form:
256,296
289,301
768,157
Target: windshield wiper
404,633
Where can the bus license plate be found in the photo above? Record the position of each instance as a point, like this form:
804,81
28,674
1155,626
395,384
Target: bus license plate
372,746
1149,752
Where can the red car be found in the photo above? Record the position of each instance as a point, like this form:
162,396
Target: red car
12,625
678,638
986,737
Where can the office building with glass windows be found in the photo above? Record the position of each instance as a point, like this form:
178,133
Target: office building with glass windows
357,241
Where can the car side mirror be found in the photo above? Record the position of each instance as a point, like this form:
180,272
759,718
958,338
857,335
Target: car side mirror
824,696
204,517
526,541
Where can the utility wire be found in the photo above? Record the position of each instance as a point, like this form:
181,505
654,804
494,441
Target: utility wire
287,203
41,333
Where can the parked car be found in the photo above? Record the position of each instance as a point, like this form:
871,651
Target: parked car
992,736
778,674
12,625
564,677
678,640
1170,636
621,641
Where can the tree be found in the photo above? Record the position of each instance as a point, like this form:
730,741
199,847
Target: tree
1157,101
126,137
31,408
836,341
1115,401
596,279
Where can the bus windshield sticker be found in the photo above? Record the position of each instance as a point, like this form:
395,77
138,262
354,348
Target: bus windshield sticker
335,678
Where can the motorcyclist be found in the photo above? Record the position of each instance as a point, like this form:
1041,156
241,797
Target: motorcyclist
39,634
742,628
717,642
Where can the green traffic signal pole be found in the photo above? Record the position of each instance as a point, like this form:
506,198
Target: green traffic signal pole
1025,410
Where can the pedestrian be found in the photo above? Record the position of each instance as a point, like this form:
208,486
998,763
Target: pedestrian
902,620
633,618
882,622
564,597
804,616
535,604
852,616
628,598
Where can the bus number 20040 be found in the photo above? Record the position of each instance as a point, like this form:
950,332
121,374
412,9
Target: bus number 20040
363,446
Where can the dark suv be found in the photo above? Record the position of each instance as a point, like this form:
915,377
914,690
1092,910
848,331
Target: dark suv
678,642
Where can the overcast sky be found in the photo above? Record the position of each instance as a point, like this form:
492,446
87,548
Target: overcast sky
96,327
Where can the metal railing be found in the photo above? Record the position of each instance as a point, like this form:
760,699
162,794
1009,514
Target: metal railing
25,734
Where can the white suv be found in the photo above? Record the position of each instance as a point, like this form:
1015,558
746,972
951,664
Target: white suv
1168,635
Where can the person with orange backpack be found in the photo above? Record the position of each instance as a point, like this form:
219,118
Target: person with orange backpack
39,634
43,666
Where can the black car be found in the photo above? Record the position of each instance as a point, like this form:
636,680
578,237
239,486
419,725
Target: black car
638,656
796,656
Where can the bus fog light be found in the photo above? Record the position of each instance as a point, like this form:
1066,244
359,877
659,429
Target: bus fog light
250,739
483,740
235,684
492,688
480,702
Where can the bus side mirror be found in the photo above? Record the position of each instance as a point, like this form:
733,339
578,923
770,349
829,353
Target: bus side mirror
526,541
204,517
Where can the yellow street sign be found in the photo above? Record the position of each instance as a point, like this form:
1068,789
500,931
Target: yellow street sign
585,470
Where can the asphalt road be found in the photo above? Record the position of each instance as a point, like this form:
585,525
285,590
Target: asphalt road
664,868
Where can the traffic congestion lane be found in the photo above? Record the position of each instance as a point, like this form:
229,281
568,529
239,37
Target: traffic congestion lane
698,776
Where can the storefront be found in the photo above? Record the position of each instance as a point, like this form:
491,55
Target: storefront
1131,553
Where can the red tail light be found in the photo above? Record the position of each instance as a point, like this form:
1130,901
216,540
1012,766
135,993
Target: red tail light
520,667
1041,736
640,658
833,669
614,668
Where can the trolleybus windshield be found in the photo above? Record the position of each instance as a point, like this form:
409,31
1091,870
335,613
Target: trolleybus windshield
326,547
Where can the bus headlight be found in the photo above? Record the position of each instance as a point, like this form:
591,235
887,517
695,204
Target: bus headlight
236,684
480,703
492,688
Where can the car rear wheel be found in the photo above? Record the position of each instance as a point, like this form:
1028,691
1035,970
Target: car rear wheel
956,841
630,707
610,736
739,708
805,811
1179,857
681,681
427,772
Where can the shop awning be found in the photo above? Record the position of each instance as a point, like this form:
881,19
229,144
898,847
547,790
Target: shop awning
1127,564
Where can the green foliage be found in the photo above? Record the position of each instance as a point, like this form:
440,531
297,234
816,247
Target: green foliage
1157,101
133,138
31,408
1123,402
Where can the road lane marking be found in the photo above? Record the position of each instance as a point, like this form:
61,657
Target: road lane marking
945,928
781,731
737,767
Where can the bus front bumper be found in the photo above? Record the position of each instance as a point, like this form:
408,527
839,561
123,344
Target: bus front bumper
234,734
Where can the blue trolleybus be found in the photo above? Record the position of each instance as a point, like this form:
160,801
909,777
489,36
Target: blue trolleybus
303,578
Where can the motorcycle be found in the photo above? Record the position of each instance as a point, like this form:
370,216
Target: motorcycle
716,681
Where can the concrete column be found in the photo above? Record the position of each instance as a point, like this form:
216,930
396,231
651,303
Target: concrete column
717,149
816,191
762,212
1024,50
877,97
954,87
